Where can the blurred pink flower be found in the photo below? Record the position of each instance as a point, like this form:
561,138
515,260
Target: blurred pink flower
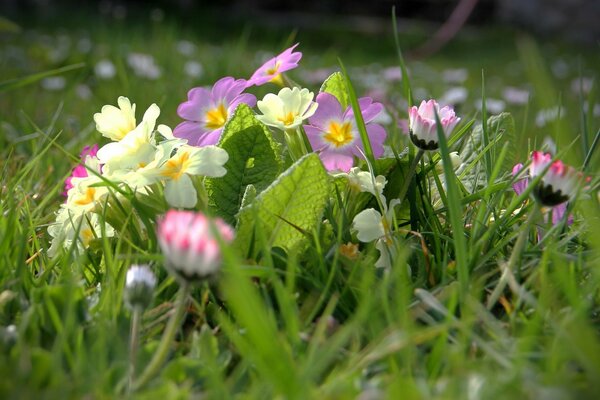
559,182
271,70
189,241
334,135
88,156
423,131
207,110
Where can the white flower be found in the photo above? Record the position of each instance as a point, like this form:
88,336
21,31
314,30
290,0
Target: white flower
365,182
74,225
135,150
83,196
370,226
189,160
139,285
105,69
115,123
288,109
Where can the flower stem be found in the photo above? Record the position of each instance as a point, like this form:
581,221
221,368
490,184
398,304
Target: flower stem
136,320
410,175
167,339
514,257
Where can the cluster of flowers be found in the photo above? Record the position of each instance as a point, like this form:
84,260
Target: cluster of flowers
143,155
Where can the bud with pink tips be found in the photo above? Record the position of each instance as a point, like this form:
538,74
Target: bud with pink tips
423,130
189,241
558,184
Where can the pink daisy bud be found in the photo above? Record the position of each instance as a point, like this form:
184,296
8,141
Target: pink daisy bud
559,182
423,130
189,242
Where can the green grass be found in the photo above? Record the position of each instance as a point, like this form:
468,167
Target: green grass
307,322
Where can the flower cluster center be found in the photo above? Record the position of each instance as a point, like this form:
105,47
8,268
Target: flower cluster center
339,134
216,117
287,119
176,167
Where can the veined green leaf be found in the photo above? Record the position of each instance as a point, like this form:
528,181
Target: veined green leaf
253,160
292,205
335,84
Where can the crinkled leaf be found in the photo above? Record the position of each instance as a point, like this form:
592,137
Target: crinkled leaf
292,205
335,84
253,160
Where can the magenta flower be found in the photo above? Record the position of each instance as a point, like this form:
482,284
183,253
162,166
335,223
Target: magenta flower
558,211
334,135
189,242
423,130
558,183
88,157
207,110
271,70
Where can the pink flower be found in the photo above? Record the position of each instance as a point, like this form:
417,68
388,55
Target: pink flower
334,135
559,182
558,211
189,242
207,110
88,156
423,130
271,70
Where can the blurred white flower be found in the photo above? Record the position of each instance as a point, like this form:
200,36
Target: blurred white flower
54,83
185,47
516,96
582,85
549,114
105,69
455,95
458,75
83,92
493,106
143,65
392,74
193,69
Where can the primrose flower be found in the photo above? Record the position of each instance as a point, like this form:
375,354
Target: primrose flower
88,160
188,160
272,69
370,226
74,225
558,184
334,135
115,123
207,110
363,181
189,241
287,109
140,282
135,149
423,129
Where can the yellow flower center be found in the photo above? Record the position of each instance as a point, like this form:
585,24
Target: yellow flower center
274,69
86,236
288,119
339,135
216,117
86,198
176,166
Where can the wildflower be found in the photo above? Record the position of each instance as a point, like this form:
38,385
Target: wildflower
176,170
144,65
422,122
363,181
370,226
288,109
189,242
515,95
105,69
193,69
53,83
558,184
88,160
207,110
114,123
334,135
140,282
271,70
455,95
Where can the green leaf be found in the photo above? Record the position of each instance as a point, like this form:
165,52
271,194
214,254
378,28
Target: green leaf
501,130
335,84
292,205
253,160
33,78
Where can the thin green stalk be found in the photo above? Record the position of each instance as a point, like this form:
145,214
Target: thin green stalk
136,320
514,258
411,173
167,339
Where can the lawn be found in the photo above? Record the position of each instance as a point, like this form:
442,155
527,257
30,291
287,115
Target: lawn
473,289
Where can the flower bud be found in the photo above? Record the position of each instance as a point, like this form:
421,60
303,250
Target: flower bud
423,127
139,286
